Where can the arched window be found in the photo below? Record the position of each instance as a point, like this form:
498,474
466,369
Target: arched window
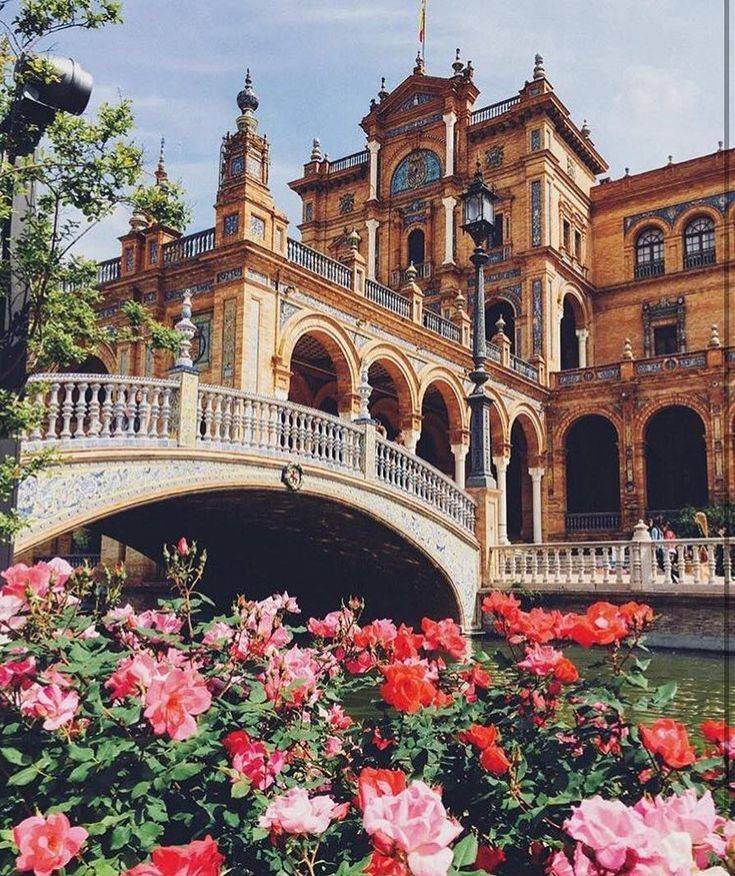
649,253
699,242
416,243
416,170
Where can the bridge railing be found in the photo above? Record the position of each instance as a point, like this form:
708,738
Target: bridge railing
98,408
691,564
234,419
410,474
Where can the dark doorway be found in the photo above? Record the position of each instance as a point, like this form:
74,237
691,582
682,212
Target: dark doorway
416,246
494,312
434,445
568,339
593,471
676,460
518,486
314,376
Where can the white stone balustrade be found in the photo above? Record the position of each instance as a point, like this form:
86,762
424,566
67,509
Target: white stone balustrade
80,411
689,565
99,408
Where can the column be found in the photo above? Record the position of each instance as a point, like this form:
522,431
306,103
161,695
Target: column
536,475
372,230
373,148
459,451
501,467
582,335
450,120
449,203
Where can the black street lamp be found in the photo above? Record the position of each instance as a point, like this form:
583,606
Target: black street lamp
61,85
478,207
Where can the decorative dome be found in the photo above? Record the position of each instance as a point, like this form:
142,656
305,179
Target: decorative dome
247,99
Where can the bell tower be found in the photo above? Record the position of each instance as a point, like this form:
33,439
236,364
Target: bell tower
245,209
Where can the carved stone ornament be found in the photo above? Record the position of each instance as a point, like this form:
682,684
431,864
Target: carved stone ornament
292,476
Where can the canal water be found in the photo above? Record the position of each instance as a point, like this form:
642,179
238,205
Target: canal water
699,676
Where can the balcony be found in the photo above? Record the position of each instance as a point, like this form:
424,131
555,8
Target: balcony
593,521
494,110
183,249
644,270
500,254
699,259
423,272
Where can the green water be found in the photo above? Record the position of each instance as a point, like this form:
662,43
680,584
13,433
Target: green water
699,675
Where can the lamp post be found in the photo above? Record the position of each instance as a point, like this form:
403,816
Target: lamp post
478,207
45,86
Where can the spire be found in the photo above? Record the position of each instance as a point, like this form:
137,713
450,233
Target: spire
160,172
539,71
248,102
457,66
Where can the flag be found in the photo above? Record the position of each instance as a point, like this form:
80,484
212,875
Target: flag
422,21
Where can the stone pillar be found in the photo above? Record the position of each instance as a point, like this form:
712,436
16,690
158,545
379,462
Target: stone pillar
582,335
372,230
414,293
450,120
501,467
536,474
459,451
373,148
449,203
410,426
188,377
641,548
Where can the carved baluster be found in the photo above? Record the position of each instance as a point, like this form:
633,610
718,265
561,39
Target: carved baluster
53,412
166,413
667,566
94,411
227,421
144,413
710,565
155,411
80,411
106,415
66,411
208,416
247,423
132,411
696,564
727,561
38,402
237,421
119,410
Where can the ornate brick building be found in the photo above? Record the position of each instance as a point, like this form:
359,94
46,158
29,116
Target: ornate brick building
605,300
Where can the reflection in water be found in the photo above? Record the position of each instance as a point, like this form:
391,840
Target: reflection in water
700,678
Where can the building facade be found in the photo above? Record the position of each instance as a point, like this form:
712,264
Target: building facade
606,300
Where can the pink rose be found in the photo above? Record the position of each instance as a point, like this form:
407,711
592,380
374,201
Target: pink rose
132,676
415,821
50,702
613,831
296,813
47,844
173,700
182,547
218,634
333,746
15,672
159,620
61,571
21,578
334,623
684,813
541,659
259,765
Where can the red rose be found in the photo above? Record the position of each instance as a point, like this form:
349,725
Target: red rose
716,731
199,858
406,687
504,604
565,671
374,782
383,865
668,739
444,636
479,736
493,760
406,643
636,615
489,858
236,742
602,624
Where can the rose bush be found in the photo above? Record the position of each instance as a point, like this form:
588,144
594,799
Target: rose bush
176,741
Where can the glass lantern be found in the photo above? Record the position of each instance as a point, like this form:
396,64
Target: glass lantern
478,209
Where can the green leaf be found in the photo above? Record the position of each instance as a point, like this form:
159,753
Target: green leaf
240,788
24,777
465,852
184,771
14,756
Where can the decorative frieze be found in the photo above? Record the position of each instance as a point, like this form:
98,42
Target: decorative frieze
178,294
415,100
347,203
228,276
670,213
229,320
535,140
536,213
494,157
412,126
537,307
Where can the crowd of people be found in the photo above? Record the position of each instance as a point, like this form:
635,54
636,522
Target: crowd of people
665,538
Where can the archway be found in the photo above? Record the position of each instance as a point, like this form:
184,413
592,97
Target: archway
592,474
416,247
260,541
314,380
90,365
500,308
518,487
568,341
390,399
676,460
434,445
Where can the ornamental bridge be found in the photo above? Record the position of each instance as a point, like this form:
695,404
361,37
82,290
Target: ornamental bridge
283,496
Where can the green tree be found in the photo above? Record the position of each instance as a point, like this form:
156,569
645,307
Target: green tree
82,171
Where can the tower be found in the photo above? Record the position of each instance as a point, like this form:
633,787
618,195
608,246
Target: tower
245,209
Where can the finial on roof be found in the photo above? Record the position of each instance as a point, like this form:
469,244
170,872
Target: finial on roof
316,150
160,172
539,71
383,93
478,170
186,330
500,325
627,171
719,145
627,349
671,159
586,130
714,336
419,68
469,70
248,102
457,66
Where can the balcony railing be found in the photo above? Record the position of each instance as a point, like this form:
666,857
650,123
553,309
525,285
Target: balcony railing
189,247
524,368
353,160
317,263
423,272
699,259
109,271
596,521
649,269
500,254
494,110
387,298
441,326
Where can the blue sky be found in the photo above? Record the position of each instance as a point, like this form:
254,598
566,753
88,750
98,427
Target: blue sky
647,74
